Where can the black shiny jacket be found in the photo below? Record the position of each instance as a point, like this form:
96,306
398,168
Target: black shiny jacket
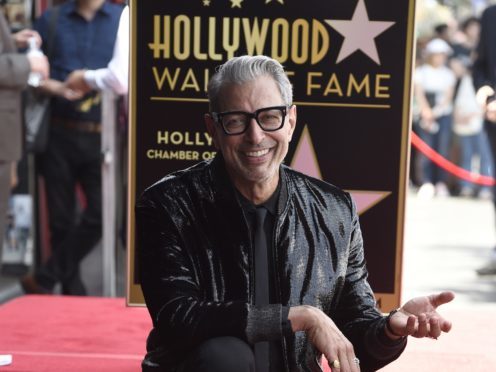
196,269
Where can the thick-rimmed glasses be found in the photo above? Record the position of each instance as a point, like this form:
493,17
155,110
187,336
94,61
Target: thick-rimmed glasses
269,119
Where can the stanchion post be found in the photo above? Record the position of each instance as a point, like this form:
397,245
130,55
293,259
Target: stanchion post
109,193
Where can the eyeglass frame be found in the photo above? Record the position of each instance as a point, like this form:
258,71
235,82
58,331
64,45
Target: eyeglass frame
217,116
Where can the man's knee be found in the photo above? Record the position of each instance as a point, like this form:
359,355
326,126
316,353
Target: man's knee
222,354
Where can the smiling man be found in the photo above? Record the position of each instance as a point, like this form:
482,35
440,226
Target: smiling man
248,265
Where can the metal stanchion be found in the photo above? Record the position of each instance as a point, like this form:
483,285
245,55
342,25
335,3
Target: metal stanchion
109,156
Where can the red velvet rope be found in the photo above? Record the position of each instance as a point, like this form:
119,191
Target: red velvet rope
449,166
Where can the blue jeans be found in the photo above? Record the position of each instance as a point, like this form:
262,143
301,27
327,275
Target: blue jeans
476,144
439,142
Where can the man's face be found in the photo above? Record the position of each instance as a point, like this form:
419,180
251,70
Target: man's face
253,157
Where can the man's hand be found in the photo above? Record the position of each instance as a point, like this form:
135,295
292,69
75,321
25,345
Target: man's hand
21,38
76,81
58,88
491,111
419,318
40,65
325,336
482,94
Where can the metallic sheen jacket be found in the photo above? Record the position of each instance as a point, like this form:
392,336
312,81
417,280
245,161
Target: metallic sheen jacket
196,268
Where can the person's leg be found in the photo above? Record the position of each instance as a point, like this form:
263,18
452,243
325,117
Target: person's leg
467,152
490,267
443,148
221,354
425,167
4,200
425,163
56,168
88,231
486,163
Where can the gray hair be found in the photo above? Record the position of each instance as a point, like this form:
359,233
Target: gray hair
243,69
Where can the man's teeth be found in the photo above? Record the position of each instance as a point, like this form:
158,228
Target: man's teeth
258,153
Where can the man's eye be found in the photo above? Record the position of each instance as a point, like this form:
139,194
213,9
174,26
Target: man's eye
234,122
269,117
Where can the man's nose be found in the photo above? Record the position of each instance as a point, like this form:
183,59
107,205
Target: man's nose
254,133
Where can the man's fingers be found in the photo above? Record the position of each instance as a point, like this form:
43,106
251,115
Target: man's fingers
445,325
342,358
410,324
422,329
442,298
435,328
334,362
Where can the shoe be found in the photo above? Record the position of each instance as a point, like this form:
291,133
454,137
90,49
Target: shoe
74,287
442,190
466,192
426,191
485,194
489,269
30,286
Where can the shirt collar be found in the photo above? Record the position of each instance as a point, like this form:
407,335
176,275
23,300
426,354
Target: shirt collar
270,204
72,8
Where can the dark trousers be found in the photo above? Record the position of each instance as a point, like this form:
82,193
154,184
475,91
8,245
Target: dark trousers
221,354
491,136
72,157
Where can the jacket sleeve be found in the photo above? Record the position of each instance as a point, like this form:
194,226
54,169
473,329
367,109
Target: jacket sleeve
14,67
480,67
171,286
357,315
14,70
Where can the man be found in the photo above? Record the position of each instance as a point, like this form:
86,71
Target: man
484,75
220,279
14,72
114,77
85,32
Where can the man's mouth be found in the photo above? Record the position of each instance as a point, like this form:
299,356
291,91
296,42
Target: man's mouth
256,154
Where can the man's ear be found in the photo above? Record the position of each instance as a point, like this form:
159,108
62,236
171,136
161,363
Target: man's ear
292,120
211,128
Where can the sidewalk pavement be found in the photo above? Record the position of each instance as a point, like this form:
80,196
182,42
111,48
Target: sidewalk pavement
446,239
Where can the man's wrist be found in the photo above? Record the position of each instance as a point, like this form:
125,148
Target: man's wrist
388,330
286,327
298,316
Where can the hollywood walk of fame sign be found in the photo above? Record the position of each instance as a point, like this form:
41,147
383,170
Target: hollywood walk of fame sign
350,63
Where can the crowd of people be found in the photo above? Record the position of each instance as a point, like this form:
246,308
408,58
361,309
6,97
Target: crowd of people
455,110
447,115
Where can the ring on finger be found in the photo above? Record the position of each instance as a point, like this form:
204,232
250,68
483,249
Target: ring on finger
356,360
335,364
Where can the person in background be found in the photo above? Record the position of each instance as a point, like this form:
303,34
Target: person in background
85,33
468,115
434,87
445,31
115,76
15,68
484,75
249,265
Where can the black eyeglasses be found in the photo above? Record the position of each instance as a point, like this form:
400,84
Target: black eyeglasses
269,119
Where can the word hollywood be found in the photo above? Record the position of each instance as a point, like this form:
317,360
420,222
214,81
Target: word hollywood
182,38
